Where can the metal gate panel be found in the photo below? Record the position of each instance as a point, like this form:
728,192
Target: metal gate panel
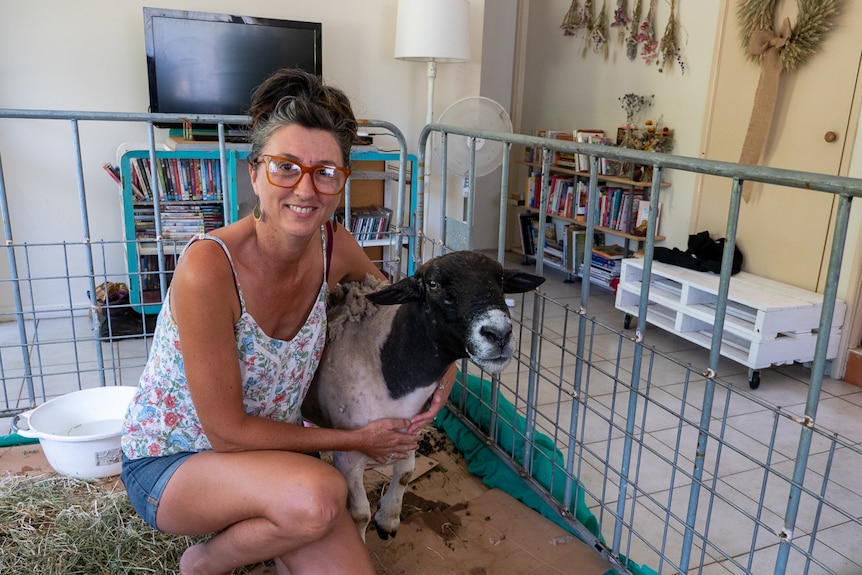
661,448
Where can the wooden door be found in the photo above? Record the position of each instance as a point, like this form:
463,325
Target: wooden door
783,233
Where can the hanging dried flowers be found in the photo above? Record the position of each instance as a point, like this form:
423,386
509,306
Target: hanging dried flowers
589,23
668,47
599,31
573,20
632,37
646,36
621,18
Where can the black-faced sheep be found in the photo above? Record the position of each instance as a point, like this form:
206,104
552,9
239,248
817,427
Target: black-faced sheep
387,350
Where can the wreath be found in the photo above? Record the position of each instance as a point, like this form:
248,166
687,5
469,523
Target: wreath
776,49
814,20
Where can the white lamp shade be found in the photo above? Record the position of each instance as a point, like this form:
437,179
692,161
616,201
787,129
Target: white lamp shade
433,30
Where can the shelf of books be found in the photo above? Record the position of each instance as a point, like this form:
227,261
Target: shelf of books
192,200
369,225
563,246
620,209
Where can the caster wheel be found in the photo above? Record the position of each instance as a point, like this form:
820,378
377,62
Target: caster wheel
754,379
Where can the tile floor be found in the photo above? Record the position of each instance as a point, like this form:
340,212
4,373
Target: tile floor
749,457
747,426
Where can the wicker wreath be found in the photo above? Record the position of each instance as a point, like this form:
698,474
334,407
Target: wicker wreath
814,20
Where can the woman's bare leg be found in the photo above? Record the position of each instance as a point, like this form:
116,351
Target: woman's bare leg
263,504
330,554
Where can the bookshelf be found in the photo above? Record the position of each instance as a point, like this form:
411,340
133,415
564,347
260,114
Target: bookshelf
616,214
193,199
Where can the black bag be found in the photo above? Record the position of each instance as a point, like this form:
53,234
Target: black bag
703,254
117,318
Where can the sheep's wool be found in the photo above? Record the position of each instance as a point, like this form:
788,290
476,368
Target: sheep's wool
347,302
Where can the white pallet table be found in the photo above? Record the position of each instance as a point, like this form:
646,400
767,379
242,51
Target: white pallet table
767,322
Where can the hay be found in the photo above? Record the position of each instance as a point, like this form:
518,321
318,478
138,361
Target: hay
56,525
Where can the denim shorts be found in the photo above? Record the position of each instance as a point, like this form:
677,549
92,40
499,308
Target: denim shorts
145,480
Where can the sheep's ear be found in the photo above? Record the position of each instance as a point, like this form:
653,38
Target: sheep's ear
516,281
406,290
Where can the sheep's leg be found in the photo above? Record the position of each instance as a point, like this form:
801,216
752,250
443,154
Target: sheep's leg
388,514
352,467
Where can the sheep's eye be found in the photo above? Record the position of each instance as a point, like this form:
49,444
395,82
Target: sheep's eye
432,284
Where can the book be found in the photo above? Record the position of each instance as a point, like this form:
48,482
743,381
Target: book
574,246
610,251
587,136
529,225
112,171
643,214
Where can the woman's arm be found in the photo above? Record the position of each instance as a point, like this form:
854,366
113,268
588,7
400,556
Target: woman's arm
438,400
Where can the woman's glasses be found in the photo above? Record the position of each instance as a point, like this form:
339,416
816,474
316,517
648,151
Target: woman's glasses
285,173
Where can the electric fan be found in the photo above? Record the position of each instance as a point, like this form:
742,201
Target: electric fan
477,113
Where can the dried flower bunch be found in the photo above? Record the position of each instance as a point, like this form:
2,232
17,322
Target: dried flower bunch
668,48
621,18
634,104
632,36
573,20
653,137
646,36
598,30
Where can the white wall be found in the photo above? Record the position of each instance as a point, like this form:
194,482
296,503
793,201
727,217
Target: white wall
89,55
569,87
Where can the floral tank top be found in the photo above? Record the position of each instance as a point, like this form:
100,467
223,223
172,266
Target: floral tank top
161,418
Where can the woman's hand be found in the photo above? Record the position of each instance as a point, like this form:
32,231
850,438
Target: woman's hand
438,400
385,440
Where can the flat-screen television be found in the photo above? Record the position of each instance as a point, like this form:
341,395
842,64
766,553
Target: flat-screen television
206,63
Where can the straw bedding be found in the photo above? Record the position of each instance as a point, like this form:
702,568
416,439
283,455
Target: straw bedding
56,525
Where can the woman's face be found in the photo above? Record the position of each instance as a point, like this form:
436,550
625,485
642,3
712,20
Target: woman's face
299,210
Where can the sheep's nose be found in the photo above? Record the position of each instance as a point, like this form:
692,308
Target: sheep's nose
498,335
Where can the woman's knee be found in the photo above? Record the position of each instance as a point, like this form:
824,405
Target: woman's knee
324,500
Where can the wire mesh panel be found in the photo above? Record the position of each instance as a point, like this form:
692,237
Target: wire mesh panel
630,436
640,443
79,306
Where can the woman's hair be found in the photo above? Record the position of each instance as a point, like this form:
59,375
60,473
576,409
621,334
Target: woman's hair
293,96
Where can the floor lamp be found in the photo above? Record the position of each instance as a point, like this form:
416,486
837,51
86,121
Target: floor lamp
431,31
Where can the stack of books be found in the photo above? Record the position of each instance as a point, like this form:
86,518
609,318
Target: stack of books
605,265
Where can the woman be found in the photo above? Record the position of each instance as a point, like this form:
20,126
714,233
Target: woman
213,444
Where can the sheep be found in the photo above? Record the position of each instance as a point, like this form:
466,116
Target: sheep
388,348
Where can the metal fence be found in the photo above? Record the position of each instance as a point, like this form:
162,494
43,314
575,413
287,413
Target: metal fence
61,330
579,414
681,504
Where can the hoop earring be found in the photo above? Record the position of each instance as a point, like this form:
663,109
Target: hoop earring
255,212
